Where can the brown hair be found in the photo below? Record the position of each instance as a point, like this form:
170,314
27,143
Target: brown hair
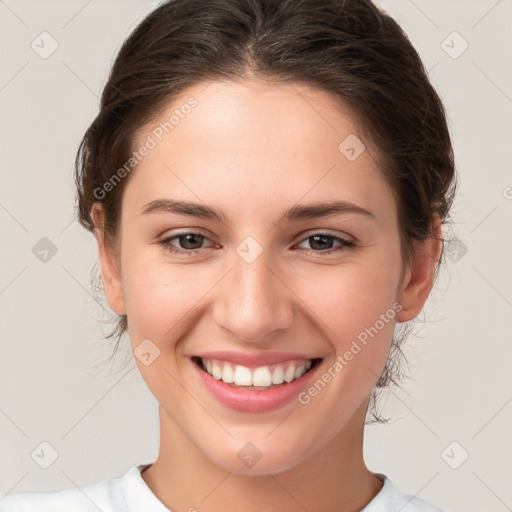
349,48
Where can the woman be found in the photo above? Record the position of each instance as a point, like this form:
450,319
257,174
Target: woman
267,183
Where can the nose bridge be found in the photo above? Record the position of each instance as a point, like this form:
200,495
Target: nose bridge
253,301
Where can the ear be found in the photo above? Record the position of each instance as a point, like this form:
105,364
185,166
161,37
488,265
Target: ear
419,276
110,268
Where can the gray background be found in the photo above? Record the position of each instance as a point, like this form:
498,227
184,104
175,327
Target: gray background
99,422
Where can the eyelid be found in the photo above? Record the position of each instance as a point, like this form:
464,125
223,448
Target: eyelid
329,232
184,231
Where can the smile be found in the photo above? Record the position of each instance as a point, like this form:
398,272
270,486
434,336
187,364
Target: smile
254,386
264,377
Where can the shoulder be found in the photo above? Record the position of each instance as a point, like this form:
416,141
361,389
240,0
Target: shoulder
107,496
391,499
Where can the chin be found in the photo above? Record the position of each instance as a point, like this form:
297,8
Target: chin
255,459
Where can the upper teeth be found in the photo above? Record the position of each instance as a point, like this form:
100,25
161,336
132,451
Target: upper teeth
264,376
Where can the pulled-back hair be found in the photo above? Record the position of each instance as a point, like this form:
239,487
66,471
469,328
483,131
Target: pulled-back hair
349,48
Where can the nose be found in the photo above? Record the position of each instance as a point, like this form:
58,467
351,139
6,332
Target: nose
253,302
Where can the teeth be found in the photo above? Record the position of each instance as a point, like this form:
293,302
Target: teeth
216,371
299,372
262,376
243,376
278,376
289,374
227,374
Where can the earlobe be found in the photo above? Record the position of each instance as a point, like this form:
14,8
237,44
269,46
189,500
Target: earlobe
420,276
110,270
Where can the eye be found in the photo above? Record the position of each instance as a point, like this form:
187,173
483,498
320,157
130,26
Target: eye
321,240
192,242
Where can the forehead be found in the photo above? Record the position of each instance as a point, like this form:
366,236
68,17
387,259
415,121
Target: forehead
233,142
228,110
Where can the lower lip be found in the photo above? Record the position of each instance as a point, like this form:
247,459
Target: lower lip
254,400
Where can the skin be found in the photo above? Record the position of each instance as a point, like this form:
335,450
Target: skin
254,149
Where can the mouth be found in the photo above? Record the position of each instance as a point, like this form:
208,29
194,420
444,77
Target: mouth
260,378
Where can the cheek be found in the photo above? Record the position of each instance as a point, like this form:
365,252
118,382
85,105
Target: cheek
155,299
355,306
160,297
161,301
357,318
350,298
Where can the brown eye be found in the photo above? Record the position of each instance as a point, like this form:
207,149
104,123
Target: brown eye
322,243
188,243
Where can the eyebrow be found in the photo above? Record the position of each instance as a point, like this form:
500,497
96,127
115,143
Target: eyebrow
295,213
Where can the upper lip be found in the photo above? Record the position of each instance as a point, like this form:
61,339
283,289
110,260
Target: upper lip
254,360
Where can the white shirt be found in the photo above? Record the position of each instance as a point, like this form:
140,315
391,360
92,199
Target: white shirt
130,493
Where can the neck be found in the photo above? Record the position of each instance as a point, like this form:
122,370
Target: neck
334,479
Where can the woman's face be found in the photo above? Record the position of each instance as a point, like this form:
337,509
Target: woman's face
269,289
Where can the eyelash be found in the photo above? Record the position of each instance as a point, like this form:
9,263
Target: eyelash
344,244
